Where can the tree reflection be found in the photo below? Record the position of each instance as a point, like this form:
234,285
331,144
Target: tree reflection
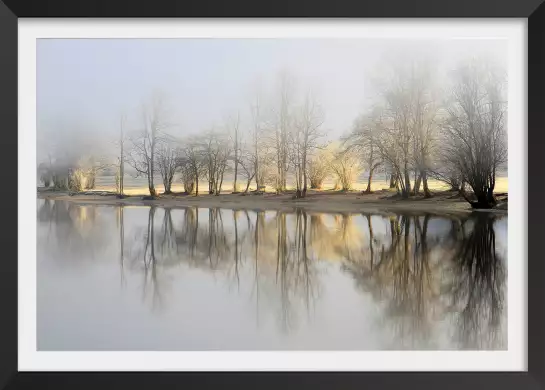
275,251
477,288
121,227
145,258
72,229
401,278
169,244
236,252
45,211
295,273
422,279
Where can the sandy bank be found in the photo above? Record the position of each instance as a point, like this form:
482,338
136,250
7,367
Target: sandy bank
318,201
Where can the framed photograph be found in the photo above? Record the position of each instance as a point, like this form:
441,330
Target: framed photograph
312,195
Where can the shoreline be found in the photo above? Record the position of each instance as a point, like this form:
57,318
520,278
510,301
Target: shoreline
316,201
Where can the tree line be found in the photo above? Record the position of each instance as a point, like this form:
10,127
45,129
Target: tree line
419,125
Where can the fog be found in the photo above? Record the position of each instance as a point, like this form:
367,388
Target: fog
84,84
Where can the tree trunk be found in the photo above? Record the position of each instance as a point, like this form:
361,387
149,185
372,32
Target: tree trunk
236,156
218,190
121,167
490,198
168,185
256,174
484,201
304,168
454,185
196,185
407,190
121,174
236,173
427,193
417,183
370,178
304,182
151,166
393,181
151,187
279,169
284,164
299,193
461,189
490,193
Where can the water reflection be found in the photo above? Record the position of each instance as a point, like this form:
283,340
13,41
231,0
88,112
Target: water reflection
477,289
422,281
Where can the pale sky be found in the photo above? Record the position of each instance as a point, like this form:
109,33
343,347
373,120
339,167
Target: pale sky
88,82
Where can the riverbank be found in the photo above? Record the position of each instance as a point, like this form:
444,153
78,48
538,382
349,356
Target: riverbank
318,201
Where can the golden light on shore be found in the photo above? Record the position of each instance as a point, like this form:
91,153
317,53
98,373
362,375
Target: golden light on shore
140,188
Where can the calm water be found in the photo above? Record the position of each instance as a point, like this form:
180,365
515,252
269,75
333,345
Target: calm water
140,278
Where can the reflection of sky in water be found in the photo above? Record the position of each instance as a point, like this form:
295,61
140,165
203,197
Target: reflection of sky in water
224,279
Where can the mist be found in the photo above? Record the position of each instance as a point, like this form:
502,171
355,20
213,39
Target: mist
84,84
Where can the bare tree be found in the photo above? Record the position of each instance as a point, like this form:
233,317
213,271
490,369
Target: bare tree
45,171
425,124
44,174
193,164
404,120
77,160
236,141
393,138
247,161
442,169
167,163
254,150
319,168
210,151
346,166
393,178
304,139
120,173
82,174
142,156
70,156
188,178
283,123
216,150
474,132
362,140
224,156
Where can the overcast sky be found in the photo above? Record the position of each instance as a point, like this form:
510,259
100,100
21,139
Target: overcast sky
90,81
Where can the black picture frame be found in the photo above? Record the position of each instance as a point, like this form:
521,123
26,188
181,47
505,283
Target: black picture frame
533,10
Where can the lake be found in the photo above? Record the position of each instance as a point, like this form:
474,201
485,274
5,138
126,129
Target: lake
152,278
